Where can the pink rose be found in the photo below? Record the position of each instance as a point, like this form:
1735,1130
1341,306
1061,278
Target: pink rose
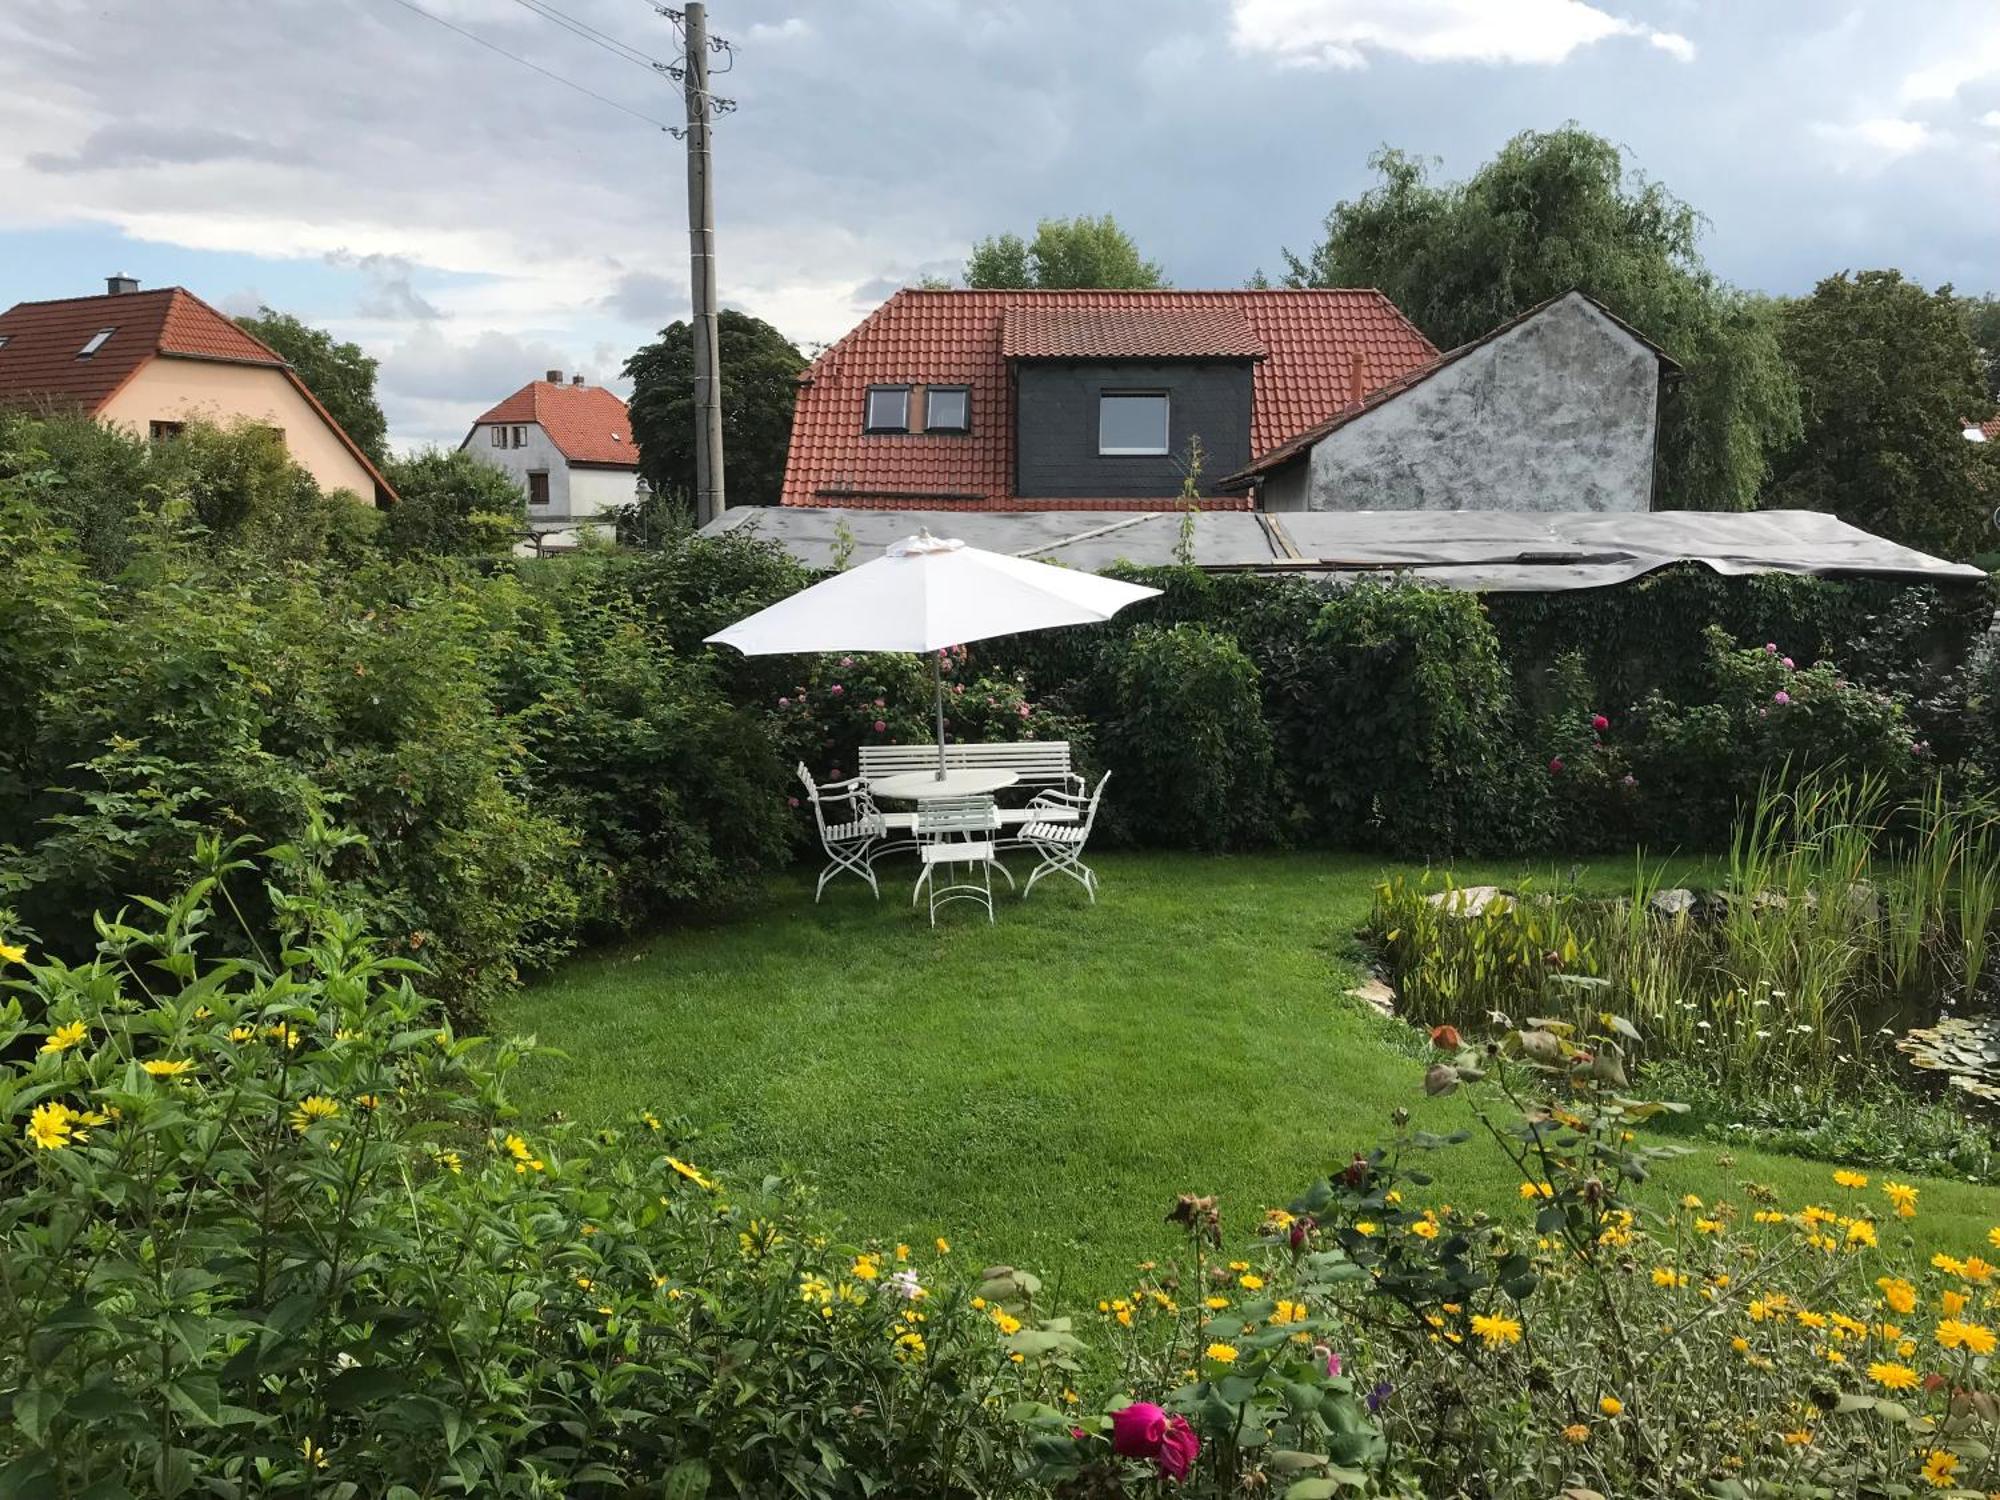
1178,1449
1137,1430
1770,648
784,703
1022,710
1333,1364
1599,723
1786,664
834,774
878,703
1629,781
837,690
847,661
1781,697
1555,765
791,801
880,726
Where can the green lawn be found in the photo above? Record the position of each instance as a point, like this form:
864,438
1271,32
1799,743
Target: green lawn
1040,1089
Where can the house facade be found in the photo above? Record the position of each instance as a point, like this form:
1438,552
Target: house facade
1555,410
1265,399
152,361
569,446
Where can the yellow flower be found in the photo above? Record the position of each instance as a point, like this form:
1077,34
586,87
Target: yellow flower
1977,1270
1496,1331
313,1454
865,1268
1217,1303
650,1120
1861,1232
1953,1303
1939,1468
902,1252
65,1037
1740,1344
1222,1354
1611,1406
1993,1237
1289,1312
943,1245
1576,1432
1893,1377
311,1111
692,1174
1708,1226
160,1067
1690,1201
1005,1321
1366,1227
1850,1179
1666,1276
1954,1334
1425,1229
1810,1319
52,1126
450,1161
1537,1190
1239,1265
1905,1198
1951,1265
13,954
1250,1283
1899,1294
1798,1437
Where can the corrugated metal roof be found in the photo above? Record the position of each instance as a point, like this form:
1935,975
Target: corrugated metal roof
1482,550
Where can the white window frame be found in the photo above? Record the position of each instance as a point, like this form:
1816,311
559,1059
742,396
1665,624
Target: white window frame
1166,435
499,435
96,342
520,437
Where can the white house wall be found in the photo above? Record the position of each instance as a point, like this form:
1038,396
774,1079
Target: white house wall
1557,414
595,491
537,453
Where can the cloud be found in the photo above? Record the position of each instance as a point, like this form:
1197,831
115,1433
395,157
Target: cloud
391,294
1881,138
132,145
1345,33
648,298
791,29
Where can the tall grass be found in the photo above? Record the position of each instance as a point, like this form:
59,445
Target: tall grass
1842,920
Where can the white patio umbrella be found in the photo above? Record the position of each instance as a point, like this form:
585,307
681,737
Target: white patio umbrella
924,594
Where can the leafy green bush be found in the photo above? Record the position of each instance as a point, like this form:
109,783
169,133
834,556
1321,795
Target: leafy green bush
272,1228
1186,739
452,502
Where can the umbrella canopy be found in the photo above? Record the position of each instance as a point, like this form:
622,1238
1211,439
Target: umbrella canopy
925,594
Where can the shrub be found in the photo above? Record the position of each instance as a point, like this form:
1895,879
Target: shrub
450,501
1187,739
1698,762
1407,741
271,1228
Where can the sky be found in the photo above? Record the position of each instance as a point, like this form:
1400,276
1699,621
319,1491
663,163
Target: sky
472,222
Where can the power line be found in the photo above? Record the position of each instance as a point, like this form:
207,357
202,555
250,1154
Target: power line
568,83
592,35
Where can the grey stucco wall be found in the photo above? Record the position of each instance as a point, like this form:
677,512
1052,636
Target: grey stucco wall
1055,416
1557,414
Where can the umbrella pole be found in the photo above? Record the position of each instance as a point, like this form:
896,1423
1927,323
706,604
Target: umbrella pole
937,679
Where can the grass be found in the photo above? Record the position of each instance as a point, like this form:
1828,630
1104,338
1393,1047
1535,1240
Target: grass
1039,1090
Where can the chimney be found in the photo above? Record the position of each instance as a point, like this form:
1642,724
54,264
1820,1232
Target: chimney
554,377
118,286
1357,384
576,380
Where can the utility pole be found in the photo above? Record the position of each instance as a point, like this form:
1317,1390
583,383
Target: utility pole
709,501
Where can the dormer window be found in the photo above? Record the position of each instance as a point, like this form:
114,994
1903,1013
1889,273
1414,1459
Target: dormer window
888,409
948,408
95,342
1132,423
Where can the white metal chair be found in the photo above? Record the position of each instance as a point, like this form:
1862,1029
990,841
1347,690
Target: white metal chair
848,840
955,832
1061,844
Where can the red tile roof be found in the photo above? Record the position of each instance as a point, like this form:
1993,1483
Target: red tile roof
40,341
1139,333
1990,429
1311,341
588,424
1298,443
38,361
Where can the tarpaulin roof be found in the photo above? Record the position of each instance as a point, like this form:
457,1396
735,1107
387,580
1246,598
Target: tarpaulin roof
1484,550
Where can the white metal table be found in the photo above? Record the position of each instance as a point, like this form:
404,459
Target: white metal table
922,786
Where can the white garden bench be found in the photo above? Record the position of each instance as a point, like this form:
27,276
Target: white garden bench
1038,766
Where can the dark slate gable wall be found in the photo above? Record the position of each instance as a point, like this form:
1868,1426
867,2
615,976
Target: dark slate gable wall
1055,433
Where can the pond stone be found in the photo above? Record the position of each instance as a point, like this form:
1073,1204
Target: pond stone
1674,902
1375,992
1471,900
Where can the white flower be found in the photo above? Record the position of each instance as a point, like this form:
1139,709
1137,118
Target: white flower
904,1285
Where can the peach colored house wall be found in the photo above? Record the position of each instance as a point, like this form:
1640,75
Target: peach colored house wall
165,389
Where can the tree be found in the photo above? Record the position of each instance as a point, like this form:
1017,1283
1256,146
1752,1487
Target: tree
1887,375
339,374
1079,252
452,503
1981,316
1555,211
760,369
